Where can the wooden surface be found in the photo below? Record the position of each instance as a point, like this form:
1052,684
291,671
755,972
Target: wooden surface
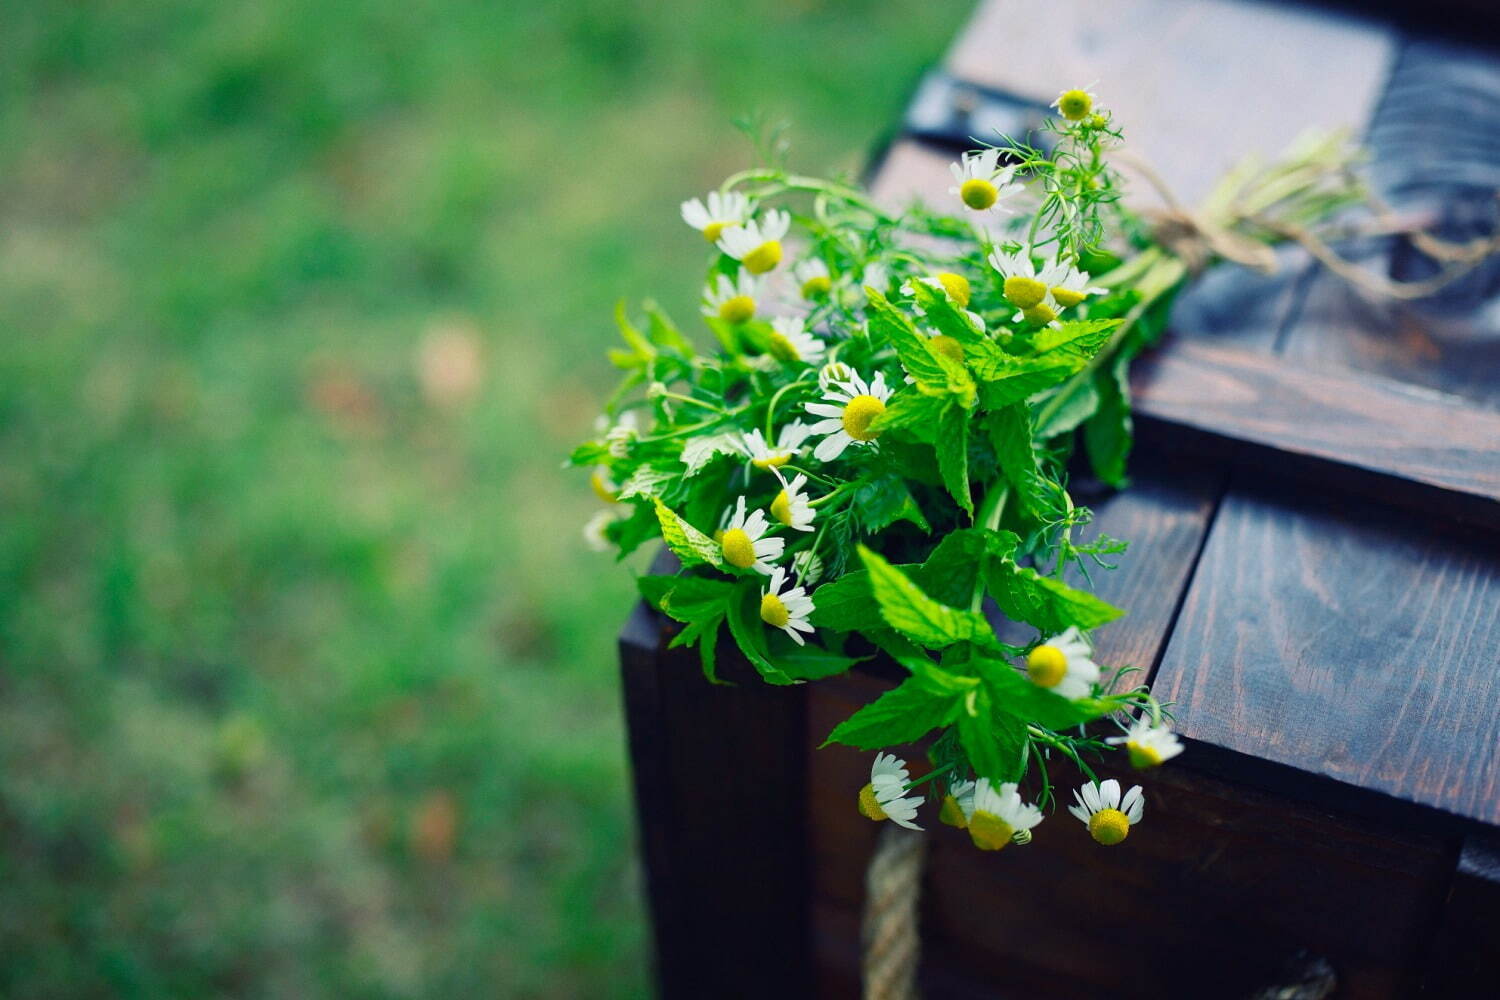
1314,580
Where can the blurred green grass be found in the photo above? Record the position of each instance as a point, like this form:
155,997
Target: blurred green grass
306,681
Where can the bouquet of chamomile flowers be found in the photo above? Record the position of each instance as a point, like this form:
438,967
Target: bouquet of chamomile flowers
873,460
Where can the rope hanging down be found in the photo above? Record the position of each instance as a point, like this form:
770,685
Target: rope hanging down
893,889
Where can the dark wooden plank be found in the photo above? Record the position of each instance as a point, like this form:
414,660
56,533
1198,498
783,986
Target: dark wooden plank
1463,958
1345,639
1186,76
1345,419
720,774
1435,151
1218,888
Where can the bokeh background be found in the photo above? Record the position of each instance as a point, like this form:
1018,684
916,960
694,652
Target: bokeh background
307,684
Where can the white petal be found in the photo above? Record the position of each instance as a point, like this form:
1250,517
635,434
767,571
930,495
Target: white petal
832,446
1109,793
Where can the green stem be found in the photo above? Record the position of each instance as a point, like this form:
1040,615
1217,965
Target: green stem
990,511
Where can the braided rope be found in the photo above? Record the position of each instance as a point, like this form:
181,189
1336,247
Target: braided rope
893,887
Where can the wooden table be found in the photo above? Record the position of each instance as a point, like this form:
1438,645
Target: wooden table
1314,580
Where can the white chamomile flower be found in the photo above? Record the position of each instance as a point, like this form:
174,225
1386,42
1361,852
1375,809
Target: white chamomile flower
744,542
1026,287
619,437
885,796
849,408
1064,665
785,609
808,566
998,816
834,371
757,244
958,804
791,506
1068,285
731,299
723,210
593,530
790,341
1076,105
765,456
813,278
1108,816
1147,744
981,183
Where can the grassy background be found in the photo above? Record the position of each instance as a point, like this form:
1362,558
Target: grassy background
306,681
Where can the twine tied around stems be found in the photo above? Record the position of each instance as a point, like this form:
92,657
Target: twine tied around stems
1197,237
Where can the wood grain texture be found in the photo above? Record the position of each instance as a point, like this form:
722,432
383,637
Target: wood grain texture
726,859
1345,639
1340,418
1220,886
1223,79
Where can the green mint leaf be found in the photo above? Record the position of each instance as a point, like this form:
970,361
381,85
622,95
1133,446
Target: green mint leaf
953,455
1109,433
705,632
686,598
917,616
995,742
689,544
904,714
1065,409
1050,605
913,411
750,632
936,373
884,501
1010,434
1011,693
949,573
943,316
1080,338
810,662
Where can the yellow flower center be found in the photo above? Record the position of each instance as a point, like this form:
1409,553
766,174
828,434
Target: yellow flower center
817,287
858,413
988,831
1075,104
737,309
945,344
1024,292
601,488
1097,121
714,230
781,509
978,193
783,349
774,460
764,257
869,806
1109,826
957,287
1066,297
773,611
952,814
738,549
1040,314
1142,756
1046,666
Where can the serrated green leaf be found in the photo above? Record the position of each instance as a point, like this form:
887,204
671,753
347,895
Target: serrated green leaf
914,412
1109,433
935,373
1080,338
884,501
1063,411
943,316
685,598
904,714
949,573
995,742
810,662
750,632
1010,434
917,616
1010,692
1050,605
689,544
953,455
